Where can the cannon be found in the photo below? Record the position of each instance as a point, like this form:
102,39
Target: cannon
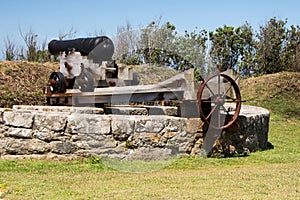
89,76
98,48
85,63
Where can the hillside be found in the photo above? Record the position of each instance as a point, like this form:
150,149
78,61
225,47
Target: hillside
22,83
279,93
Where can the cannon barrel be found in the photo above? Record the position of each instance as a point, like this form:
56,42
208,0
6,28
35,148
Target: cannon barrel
98,48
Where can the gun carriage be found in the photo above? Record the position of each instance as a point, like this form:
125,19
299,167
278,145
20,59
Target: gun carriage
89,76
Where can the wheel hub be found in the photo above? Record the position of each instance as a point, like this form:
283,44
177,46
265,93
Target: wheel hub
219,100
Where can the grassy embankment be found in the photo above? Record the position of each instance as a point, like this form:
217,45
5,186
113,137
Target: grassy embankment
272,174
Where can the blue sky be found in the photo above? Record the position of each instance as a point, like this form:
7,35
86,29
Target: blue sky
49,17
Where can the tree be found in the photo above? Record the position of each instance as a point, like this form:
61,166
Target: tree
192,47
271,45
30,39
247,64
291,54
157,42
228,45
126,45
33,51
43,54
11,50
160,45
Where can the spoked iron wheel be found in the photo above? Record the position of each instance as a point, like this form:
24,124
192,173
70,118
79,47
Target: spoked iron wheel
57,83
213,96
85,82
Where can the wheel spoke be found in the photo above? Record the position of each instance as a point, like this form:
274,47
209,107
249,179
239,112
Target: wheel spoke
208,101
233,101
211,112
206,85
229,87
226,91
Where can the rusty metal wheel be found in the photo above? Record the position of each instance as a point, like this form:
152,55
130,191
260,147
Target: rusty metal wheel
219,101
57,83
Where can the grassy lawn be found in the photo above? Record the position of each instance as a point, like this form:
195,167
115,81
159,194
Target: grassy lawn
272,174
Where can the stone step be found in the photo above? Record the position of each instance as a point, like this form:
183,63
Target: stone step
117,110
142,110
66,109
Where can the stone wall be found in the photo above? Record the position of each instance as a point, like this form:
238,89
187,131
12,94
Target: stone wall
71,131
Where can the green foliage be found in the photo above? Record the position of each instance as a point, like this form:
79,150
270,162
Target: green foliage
130,60
160,45
128,145
94,160
33,51
273,49
231,46
156,43
291,53
9,55
272,39
192,47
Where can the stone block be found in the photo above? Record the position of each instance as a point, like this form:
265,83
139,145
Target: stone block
25,146
18,119
86,110
183,140
65,109
40,130
148,139
254,126
150,124
19,133
169,134
193,125
150,154
43,135
89,124
50,121
174,124
63,147
122,127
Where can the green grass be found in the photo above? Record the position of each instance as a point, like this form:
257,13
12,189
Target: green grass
272,174
279,93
